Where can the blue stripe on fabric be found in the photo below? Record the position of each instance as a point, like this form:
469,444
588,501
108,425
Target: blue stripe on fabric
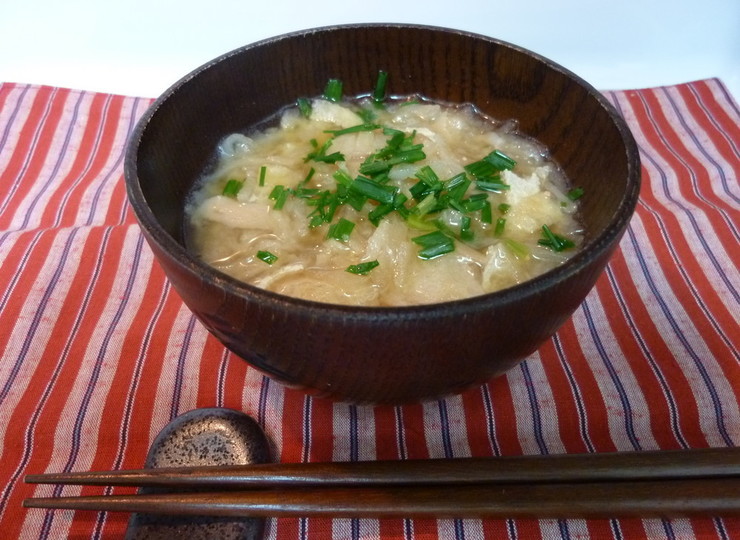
445,428
35,323
65,353
536,418
661,302
623,398
26,343
672,408
221,378
262,405
13,115
57,165
102,352
723,178
511,528
306,454
87,397
180,369
354,455
616,529
576,393
449,453
126,418
490,420
719,526
720,131
27,160
682,338
689,215
400,434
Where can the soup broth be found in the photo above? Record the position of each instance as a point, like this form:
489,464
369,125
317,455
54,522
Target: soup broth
402,203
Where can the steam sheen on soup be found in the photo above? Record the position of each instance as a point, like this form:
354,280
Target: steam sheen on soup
397,203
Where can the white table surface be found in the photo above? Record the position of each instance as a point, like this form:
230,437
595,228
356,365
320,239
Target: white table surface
140,47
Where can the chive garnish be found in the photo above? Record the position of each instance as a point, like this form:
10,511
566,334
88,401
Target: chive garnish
304,106
379,92
279,194
232,188
266,256
554,241
434,244
373,190
333,90
500,161
341,230
319,153
362,268
263,172
519,250
500,225
486,216
354,129
575,193
492,186
503,208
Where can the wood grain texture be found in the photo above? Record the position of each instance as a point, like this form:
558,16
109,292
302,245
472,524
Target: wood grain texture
382,355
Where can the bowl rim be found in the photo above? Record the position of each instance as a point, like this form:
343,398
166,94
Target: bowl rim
598,246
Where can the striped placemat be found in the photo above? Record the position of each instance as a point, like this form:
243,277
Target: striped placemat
99,353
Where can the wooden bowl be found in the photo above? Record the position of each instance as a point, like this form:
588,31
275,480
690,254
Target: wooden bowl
382,355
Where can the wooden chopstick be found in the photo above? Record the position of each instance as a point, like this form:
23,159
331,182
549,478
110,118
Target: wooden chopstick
567,468
645,484
671,498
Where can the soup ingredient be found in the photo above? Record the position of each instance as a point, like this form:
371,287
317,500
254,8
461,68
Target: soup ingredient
383,203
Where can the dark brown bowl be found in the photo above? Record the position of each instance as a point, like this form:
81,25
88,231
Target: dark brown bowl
382,355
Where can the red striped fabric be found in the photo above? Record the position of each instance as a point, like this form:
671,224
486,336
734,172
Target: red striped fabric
99,353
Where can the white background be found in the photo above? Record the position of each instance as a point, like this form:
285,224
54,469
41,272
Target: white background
141,47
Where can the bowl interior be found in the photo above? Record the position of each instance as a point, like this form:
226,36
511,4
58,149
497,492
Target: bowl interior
245,86
388,355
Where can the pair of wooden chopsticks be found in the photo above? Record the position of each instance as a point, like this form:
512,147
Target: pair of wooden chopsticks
639,484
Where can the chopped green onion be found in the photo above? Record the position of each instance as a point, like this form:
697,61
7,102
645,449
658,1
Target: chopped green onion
354,129
476,202
425,205
434,244
421,223
232,188
373,190
492,186
575,193
266,256
503,208
379,93
341,230
554,241
457,186
333,90
304,106
427,175
500,161
362,268
499,229
465,233
379,212
319,153
480,169
310,174
342,177
263,172
279,194
486,215
519,250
